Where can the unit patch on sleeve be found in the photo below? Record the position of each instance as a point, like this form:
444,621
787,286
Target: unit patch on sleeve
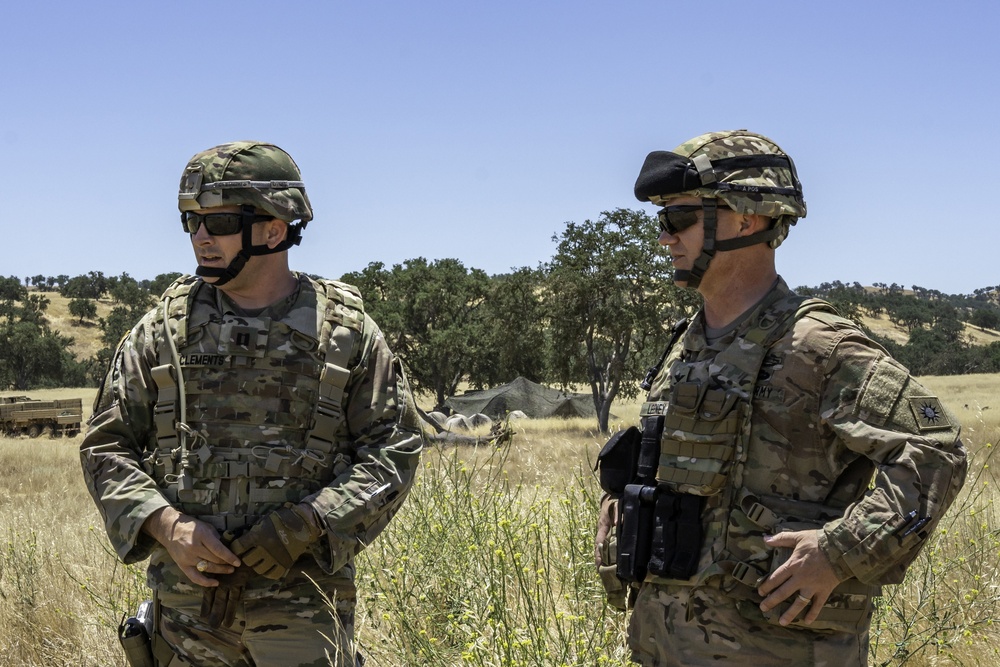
929,413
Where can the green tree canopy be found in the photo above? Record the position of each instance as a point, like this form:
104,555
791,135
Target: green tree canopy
429,313
11,289
511,333
31,354
91,286
83,309
611,300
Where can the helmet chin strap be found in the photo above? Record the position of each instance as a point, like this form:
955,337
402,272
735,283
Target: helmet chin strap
694,275
711,245
248,250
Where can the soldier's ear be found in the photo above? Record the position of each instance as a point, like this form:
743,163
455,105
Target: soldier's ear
277,231
751,223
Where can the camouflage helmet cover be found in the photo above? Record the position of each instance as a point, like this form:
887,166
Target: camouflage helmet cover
736,186
245,172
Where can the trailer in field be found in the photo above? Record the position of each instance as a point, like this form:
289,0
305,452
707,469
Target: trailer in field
20,415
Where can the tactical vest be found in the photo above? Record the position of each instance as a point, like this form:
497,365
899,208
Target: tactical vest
704,445
248,409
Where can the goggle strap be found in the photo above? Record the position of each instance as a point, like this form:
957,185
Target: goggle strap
708,172
765,236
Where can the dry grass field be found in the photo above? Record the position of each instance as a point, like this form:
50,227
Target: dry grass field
86,335
489,562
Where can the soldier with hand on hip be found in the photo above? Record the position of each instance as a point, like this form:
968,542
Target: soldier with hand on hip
254,432
787,466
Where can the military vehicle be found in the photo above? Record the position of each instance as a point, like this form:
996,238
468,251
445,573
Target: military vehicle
21,415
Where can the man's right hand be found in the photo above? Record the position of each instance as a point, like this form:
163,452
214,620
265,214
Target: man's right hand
190,542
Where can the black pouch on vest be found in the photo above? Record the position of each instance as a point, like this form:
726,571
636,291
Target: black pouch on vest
677,535
664,539
689,536
635,531
618,460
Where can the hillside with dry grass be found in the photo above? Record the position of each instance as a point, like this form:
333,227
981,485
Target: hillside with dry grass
884,327
87,334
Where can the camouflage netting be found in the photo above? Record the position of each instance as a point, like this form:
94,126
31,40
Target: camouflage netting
533,399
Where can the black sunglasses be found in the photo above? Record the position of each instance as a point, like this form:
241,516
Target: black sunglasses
221,224
674,219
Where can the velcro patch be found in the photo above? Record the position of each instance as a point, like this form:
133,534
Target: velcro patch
929,413
879,396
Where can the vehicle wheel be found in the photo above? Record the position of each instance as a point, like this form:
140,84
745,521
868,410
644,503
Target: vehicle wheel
34,431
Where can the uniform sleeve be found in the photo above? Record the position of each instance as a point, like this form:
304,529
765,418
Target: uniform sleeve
878,410
111,451
383,424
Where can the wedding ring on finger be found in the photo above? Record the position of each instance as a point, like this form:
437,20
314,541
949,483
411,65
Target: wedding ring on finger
803,598
203,565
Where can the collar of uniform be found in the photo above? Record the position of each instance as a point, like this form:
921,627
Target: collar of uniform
700,336
275,311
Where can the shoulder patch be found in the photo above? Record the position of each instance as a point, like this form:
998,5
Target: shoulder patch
929,412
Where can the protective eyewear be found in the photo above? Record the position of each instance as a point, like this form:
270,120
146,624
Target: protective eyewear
675,219
220,224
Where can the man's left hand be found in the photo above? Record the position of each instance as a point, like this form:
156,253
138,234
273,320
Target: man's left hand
275,542
807,576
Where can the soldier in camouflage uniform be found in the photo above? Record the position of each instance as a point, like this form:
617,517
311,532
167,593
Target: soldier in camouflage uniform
798,467
253,434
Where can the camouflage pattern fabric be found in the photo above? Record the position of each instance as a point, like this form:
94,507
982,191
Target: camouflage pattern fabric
737,143
676,626
297,627
251,409
837,437
786,209
246,172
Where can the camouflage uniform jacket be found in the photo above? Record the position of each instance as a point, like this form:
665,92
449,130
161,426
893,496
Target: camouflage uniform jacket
354,490
837,436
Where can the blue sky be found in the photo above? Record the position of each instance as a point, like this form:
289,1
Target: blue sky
477,130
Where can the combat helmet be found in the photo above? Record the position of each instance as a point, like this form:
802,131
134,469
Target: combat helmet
747,171
254,176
